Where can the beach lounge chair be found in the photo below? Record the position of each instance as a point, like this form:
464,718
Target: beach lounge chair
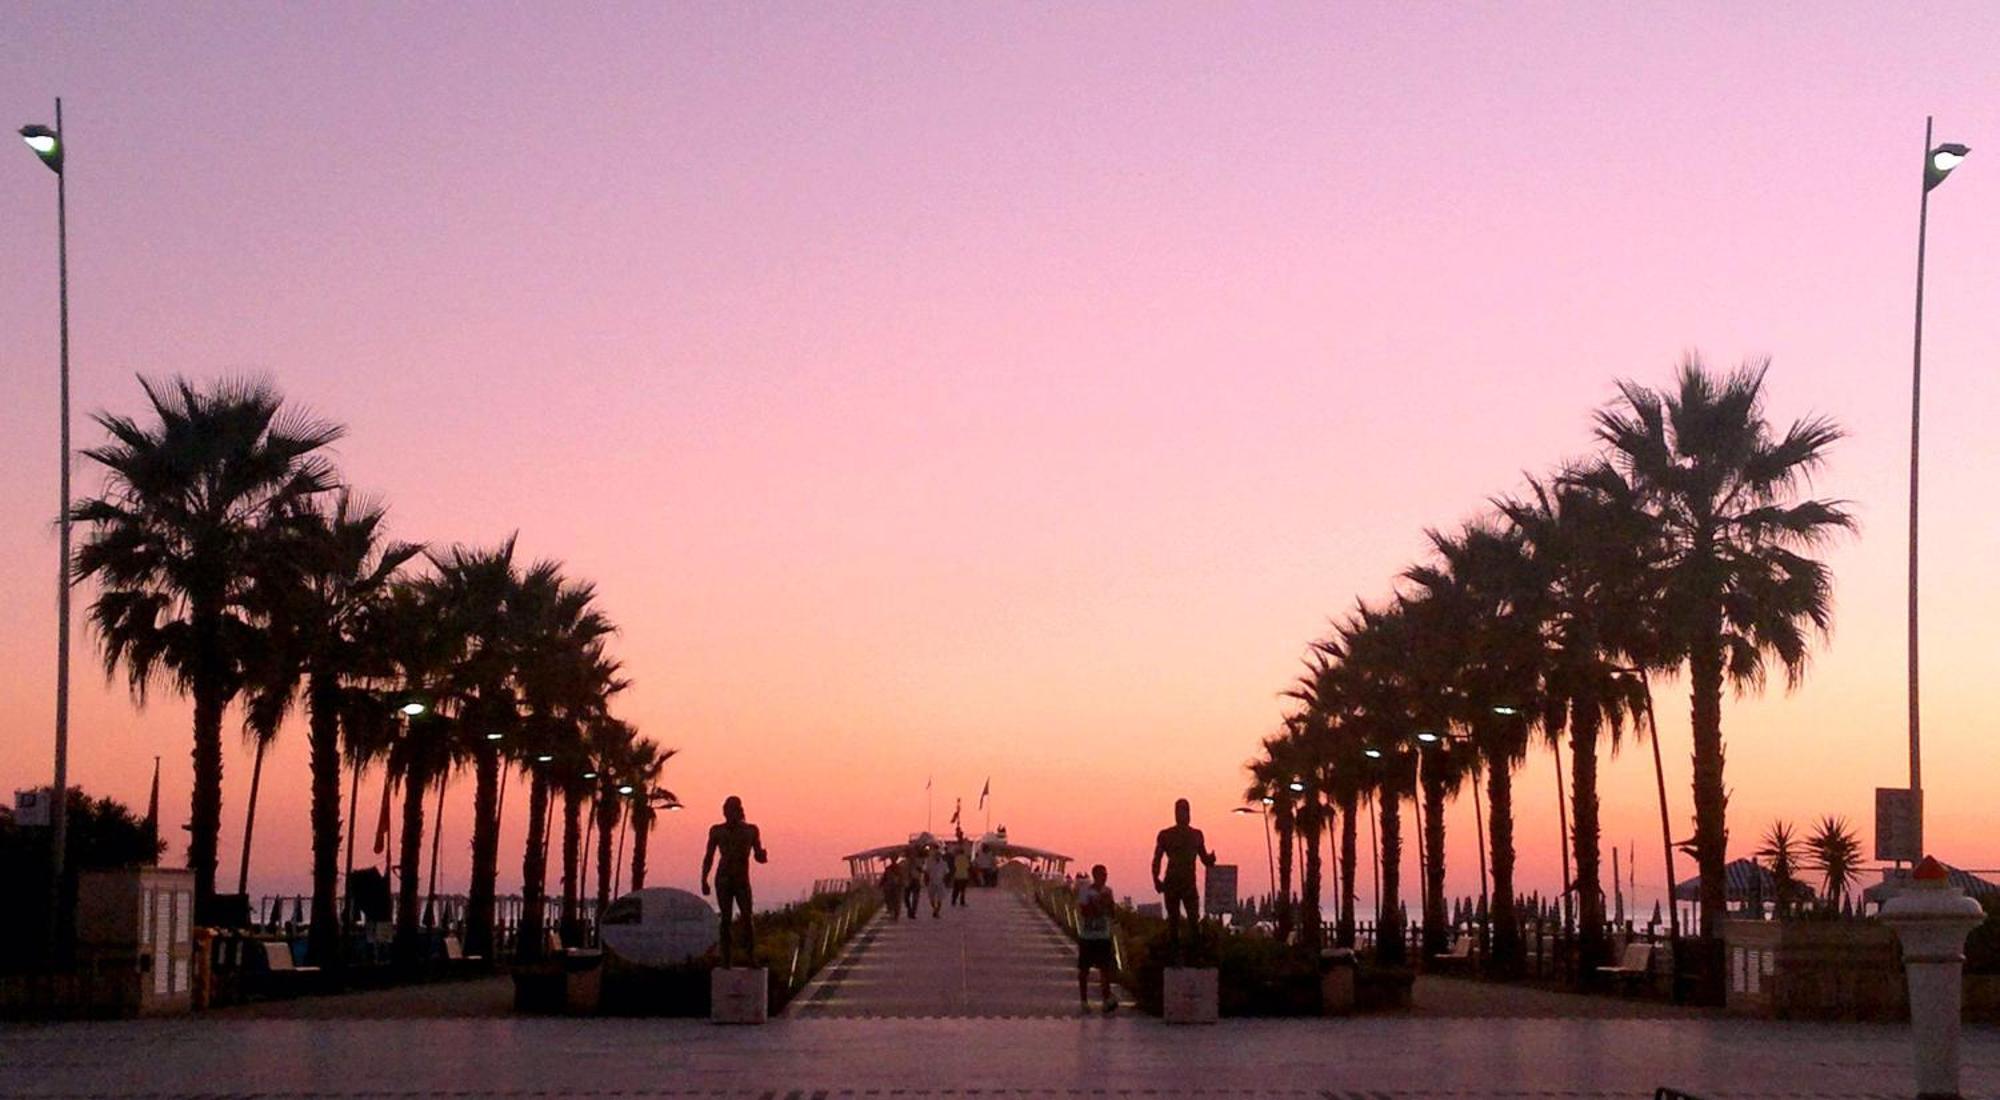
1635,966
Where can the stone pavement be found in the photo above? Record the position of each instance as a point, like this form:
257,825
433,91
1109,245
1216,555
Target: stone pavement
997,957
1372,1058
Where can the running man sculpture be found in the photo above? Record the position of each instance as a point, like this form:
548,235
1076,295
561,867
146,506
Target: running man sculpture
1179,847
736,840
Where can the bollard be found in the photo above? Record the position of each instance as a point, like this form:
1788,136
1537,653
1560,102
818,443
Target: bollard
1932,919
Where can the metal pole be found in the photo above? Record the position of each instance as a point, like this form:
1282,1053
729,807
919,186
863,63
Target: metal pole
1916,408
1270,853
59,811
1666,828
1562,819
437,835
1479,823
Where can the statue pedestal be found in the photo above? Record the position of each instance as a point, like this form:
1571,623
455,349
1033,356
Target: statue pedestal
739,995
1189,995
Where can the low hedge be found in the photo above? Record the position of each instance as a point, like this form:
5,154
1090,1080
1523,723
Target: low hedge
793,943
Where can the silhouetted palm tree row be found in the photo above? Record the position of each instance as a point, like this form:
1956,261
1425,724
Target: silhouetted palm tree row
234,565
1683,543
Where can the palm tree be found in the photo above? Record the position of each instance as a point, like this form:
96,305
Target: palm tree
186,513
1271,775
1381,714
420,649
614,788
649,760
1587,541
1781,852
320,597
1836,855
565,680
1482,581
471,590
1736,584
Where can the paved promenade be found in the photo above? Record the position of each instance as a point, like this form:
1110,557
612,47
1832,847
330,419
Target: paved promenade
998,957
1373,1058
977,1004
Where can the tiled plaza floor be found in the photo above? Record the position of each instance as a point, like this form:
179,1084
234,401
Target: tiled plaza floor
1374,1058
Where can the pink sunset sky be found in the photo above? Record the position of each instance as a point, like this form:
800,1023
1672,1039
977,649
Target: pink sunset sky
1013,390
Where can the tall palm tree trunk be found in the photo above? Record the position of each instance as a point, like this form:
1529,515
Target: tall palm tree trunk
1344,931
1711,799
250,816
1389,947
409,861
323,940
1310,921
205,808
485,853
642,828
607,824
1436,927
1583,728
571,884
534,870
1507,958
353,826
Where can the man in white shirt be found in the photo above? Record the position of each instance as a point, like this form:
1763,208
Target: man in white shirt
1094,905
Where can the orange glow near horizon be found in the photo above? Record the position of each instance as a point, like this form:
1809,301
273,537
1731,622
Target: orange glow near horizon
1014,393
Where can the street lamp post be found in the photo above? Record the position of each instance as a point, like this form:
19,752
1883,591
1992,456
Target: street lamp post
48,144
1939,160
1270,857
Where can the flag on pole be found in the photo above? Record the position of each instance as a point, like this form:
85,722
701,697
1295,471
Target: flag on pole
984,791
927,782
382,823
958,805
153,812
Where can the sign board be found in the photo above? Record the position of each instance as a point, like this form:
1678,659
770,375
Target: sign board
1898,811
659,926
1221,898
31,808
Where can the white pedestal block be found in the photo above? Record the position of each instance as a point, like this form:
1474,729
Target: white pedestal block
1190,995
739,995
1932,918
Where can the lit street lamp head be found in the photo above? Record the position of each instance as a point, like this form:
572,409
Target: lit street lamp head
1372,753
1428,737
1937,166
1296,786
47,145
411,710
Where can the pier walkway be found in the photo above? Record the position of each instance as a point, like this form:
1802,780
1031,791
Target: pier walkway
997,957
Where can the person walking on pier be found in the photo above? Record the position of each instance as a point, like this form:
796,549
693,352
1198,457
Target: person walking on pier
1094,905
736,841
913,880
892,888
1180,846
935,873
961,873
